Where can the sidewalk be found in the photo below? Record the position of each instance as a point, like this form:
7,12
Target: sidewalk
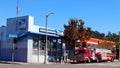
116,60
10,62
23,63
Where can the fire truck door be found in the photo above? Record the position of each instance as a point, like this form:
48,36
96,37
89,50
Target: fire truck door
104,56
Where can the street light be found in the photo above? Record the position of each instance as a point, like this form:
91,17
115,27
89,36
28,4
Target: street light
45,59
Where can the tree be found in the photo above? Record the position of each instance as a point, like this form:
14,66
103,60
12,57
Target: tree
109,36
70,32
75,31
97,34
112,37
83,33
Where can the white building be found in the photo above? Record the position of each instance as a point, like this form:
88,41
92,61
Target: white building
30,43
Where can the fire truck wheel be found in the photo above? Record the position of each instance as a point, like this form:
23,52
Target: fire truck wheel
89,60
97,60
112,60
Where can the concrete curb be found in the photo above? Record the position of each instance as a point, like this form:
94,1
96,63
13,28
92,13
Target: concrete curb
9,62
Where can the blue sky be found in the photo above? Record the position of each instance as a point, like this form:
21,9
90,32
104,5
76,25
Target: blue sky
100,15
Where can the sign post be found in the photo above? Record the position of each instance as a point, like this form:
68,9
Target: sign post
14,36
13,48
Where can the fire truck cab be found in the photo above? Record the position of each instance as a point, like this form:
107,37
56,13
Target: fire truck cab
83,54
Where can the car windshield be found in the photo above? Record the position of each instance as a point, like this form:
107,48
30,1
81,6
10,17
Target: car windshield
79,52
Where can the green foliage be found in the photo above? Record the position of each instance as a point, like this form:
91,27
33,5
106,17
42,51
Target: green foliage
112,37
70,32
98,35
117,45
74,31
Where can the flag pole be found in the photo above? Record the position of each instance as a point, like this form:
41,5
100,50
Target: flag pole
17,8
17,12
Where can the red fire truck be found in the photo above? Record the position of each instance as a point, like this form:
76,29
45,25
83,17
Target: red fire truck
89,55
94,53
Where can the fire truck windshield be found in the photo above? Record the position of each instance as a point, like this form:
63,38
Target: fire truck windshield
79,52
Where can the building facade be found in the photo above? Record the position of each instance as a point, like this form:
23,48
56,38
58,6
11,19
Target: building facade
25,42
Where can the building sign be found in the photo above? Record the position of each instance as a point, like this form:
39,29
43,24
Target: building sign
13,35
22,24
49,31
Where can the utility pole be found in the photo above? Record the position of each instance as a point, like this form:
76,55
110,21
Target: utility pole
119,46
46,50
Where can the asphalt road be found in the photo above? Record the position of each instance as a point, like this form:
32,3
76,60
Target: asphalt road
81,65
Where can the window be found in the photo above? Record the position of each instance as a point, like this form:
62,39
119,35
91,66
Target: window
79,52
35,44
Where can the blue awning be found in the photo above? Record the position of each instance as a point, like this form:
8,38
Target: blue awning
37,34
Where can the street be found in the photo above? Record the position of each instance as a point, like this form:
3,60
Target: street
81,65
